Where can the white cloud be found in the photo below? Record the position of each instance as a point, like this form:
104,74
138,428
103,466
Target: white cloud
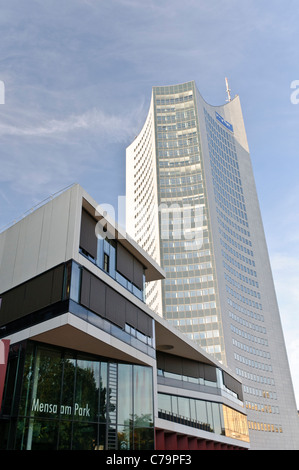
46,157
119,128
42,154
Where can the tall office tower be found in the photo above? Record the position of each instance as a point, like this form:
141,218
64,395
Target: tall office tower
192,204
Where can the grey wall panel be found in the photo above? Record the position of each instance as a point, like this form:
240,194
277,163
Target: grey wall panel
88,239
186,367
12,305
38,292
233,385
173,364
115,308
131,314
239,390
160,360
201,371
210,373
137,274
129,266
97,298
57,284
85,288
109,304
33,295
138,319
190,368
144,324
124,262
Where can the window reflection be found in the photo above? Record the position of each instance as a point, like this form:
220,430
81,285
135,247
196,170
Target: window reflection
64,403
68,379
184,407
209,416
87,390
143,396
125,394
235,424
125,437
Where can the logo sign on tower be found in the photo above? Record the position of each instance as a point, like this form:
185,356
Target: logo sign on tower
224,122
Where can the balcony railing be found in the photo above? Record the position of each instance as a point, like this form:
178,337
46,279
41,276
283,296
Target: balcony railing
176,418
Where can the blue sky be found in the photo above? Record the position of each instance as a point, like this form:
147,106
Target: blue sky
78,76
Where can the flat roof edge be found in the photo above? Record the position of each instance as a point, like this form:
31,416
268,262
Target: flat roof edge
154,272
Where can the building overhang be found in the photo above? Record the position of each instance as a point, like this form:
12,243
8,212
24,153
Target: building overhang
153,272
170,340
70,332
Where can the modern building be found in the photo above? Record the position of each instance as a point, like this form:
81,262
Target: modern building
85,364
192,205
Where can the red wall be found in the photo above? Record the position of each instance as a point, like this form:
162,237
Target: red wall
166,440
4,350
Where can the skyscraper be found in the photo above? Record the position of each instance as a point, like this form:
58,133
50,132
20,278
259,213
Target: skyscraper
192,205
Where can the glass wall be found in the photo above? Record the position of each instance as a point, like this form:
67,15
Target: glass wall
69,401
190,290
209,416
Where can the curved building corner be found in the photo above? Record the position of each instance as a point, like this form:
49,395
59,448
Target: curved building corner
196,176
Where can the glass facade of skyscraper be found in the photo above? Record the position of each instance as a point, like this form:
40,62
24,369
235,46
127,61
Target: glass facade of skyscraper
219,288
189,294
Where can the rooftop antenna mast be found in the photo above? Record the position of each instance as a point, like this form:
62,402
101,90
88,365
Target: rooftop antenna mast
228,90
